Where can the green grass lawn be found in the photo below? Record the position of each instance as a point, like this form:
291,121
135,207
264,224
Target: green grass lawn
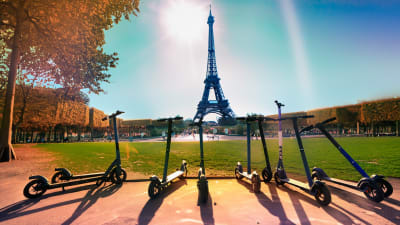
379,155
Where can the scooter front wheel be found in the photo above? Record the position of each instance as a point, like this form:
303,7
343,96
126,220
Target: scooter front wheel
267,175
374,193
154,189
385,186
322,195
118,179
35,189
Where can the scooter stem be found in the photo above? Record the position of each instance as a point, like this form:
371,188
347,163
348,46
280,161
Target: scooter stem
201,148
248,149
303,154
167,150
116,140
260,128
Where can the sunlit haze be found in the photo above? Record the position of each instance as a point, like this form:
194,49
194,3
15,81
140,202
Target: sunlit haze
306,54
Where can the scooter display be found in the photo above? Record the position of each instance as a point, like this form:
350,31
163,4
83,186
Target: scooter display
63,178
316,188
156,184
374,187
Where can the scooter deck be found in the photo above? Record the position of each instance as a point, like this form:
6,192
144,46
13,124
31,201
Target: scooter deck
174,175
348,184
75,182
248,176
87,175
297,183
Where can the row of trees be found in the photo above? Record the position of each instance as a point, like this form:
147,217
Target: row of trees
57,43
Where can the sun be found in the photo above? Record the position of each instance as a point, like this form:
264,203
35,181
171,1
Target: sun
184,21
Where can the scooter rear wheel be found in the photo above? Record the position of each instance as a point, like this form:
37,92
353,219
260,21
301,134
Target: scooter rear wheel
374,193
277,179
237,174
35,189
323,195
59,177
267,175
385,186
256,183
202,185
115,179
154,189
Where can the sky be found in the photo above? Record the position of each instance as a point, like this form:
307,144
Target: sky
306,54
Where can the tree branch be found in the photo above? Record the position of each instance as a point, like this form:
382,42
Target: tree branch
6,24
8,4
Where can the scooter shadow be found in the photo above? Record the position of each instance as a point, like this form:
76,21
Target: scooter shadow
91,198
274,205
21,208
152,205
383,210
338,213
207,212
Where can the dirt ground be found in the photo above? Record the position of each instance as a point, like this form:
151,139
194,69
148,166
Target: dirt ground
230,202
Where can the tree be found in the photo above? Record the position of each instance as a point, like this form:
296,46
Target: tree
63,40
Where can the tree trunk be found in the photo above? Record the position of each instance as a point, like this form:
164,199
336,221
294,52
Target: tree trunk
79,134
6,149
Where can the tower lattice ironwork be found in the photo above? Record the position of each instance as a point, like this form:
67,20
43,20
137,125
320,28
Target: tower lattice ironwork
220,105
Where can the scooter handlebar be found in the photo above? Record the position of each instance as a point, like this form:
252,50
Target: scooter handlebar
307,128
327,121
253,118
318,124
171,118
241,118
296,117
278,103
113,115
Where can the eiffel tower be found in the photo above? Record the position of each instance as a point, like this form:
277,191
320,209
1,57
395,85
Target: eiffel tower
220,105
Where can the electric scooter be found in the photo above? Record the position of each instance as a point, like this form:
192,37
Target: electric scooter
374,188
156,184
267,171
239,173
39,184
202,183
316,188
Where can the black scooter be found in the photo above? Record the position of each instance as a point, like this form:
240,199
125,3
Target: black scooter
375,187
202,183
253,177
156,184
267,171
316,188
63,178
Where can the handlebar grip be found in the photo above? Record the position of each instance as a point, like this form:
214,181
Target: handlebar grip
327,121
307,116
278,103
117,113
241,118
307,128
178,118
170,118
113,115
